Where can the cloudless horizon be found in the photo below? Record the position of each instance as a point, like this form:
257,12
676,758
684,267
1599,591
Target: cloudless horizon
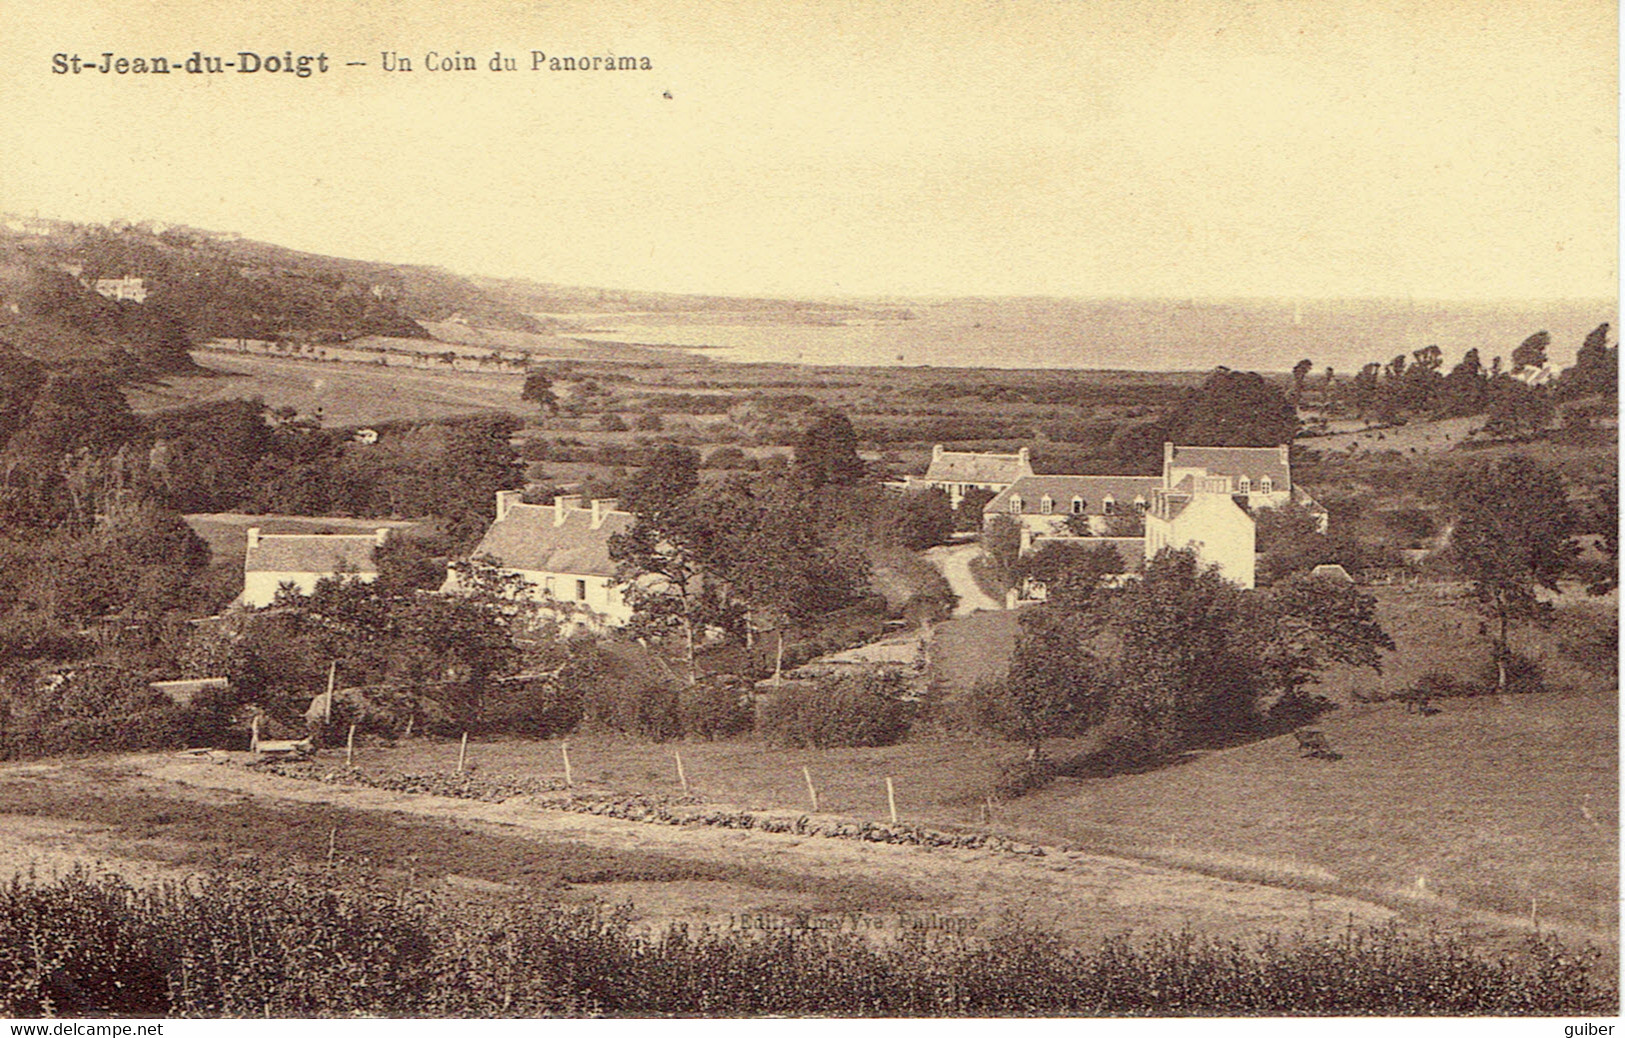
1211,150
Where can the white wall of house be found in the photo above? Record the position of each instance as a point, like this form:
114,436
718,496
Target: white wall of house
1216,528
260,586
600,594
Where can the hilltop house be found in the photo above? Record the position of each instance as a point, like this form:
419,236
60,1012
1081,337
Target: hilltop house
302,559
562,551
956,473
132,289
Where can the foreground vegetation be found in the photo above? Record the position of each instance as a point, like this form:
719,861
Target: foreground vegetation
315,944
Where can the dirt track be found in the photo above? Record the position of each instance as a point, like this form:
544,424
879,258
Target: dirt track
1082,896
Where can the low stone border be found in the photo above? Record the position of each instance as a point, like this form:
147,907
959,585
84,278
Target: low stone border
651,809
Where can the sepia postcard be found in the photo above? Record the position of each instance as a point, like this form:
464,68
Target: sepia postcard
736,510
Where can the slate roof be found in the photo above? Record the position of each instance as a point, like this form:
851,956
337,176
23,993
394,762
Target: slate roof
1253,462
1062,489
312,553
967,467
526,539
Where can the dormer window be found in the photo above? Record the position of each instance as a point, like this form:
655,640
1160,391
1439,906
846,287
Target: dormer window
1046,505
1139,505
1108,505
1266,485
1015,504
1246,485
1077,506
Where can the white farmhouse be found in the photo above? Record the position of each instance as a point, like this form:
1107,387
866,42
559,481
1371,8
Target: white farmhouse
956,473
562,551
302,559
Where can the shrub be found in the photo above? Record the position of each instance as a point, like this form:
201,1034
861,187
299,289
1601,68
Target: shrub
649,422
310,943
718,706
642,708
1023,776
865,709
1524,674
612,422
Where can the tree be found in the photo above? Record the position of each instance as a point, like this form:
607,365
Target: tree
1001,542
923,519
538,390
1531,353
659,489
477,463
1072,574
658,561
968,516
827,452
1054,688
1511,536
1234,409
1300,377
1465,389
1596,368
1516,410
1311,623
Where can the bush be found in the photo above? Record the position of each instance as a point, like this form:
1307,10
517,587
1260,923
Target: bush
338,943
1018,778
642,708
649,422
718,706
1524,674
849,710
612,422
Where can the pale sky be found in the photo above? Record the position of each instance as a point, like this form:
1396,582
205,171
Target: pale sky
1438,150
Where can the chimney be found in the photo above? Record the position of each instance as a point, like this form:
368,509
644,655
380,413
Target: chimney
1022,455
565,503
601,508
253,537
1286,453
1026,539
936,452
1167,456
506,499
380,536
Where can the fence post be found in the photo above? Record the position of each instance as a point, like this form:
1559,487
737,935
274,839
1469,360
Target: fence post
891,799
349,748
680,776
568,780
254,735
462,753
812,791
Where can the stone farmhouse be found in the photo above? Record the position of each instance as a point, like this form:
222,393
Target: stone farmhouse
956,473
562,551
302,559
1204,500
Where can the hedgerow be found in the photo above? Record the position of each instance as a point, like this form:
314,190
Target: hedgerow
321,943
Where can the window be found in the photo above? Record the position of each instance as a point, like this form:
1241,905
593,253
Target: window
581,591
1266,485
1246,485
1139,505
1108,505
1015,504
547,586
1077,506
1047,505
